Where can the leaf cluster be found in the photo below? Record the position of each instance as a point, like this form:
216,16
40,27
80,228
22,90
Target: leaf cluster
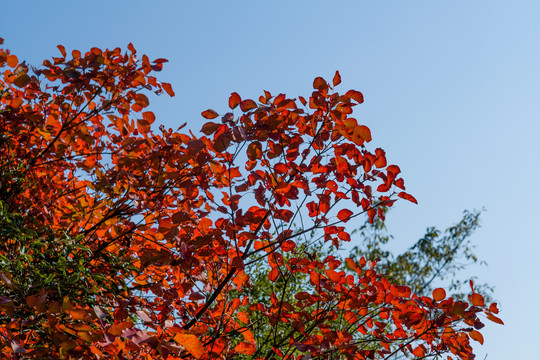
122,241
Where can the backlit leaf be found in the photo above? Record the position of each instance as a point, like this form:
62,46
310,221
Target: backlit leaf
191,343
245,348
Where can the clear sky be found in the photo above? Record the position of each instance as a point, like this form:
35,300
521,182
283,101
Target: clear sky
452,93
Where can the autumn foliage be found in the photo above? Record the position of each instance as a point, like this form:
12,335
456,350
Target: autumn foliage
121,241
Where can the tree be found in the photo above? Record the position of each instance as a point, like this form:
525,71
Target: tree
123,242
437,256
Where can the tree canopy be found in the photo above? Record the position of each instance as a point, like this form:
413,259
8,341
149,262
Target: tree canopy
122,241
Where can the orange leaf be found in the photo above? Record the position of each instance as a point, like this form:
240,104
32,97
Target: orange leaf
209,114
12,61
245,348
439,294
234,100
337,79
117,329
495,319
475,335
247,105
351,264
344,214
62,50
168,89
248,336
364,132
419,352
149,116
355,95
477,299
191,343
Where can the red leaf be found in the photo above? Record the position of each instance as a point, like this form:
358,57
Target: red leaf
234,100
273,275
191,343
281,168
495,319
247,105
380,162
344,214
314,278
168,88
439,294
284,214
337,79
288,245
302,295
35,300
238,263
209,114
209,128
393,169
319,82
406,196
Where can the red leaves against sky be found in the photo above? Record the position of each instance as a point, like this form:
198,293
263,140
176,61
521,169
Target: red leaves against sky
191,213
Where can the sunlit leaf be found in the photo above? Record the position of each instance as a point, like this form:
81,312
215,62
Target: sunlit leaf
191,343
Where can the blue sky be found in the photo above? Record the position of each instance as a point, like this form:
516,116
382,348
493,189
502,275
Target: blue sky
452,91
